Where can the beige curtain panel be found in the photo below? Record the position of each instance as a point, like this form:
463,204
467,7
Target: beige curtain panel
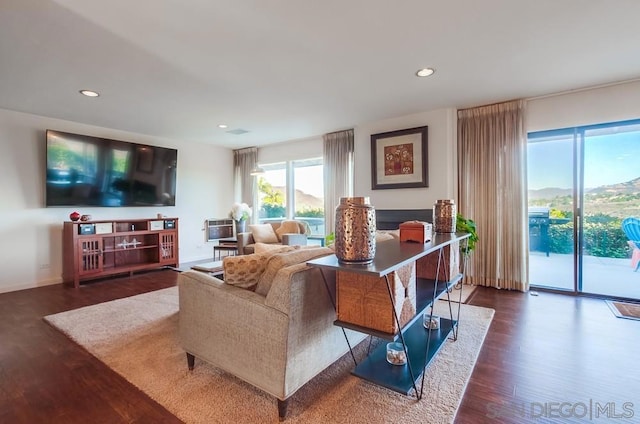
338,172
492,172
244,161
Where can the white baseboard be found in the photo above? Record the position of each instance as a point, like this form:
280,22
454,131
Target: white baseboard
25,286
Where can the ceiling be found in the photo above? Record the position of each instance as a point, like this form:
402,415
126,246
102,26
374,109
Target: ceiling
293,69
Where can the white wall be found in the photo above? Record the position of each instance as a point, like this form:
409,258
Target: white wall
31,235
441,157
612,103
292,150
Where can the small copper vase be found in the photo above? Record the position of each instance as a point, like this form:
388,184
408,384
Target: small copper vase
444,216
355,230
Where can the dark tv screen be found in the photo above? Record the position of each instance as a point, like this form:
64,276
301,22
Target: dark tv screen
91,171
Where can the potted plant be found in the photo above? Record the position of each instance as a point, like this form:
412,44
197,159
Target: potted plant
466,225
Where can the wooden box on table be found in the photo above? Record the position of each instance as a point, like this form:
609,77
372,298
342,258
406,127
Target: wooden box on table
415,231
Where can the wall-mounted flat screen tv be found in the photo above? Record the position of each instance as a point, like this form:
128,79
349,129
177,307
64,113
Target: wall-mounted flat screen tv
91,171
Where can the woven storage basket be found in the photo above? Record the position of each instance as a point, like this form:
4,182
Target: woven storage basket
427,266
364,300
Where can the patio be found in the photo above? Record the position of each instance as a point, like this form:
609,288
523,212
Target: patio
604,276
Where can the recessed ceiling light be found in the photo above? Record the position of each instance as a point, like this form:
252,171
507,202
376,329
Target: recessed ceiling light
222,125
425,72
89,93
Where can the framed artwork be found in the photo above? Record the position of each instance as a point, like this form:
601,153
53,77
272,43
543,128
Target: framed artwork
399,159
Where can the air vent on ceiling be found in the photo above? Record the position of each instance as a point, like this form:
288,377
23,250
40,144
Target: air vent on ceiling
238,131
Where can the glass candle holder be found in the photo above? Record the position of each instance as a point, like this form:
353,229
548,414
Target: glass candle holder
431,322
395,354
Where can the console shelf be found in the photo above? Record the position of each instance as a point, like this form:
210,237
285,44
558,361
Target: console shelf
96,249
420,344
424,299
376,369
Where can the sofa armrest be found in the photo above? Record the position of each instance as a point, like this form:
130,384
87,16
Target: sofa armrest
243,240
233,329
294,239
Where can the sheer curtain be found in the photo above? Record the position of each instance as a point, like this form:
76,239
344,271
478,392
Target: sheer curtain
338,172
492,179
244,161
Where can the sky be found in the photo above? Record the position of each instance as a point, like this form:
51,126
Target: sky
309,179
609,159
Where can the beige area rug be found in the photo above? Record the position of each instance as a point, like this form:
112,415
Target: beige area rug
137,337
461,293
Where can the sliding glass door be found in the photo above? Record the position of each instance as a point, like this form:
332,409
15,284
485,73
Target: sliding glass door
551,210
582,183
611,181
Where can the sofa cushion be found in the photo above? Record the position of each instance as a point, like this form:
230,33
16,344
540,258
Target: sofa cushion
244,270
263,233
287,227
282,260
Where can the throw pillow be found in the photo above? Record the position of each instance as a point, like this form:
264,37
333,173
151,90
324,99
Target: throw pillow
245,270
287,227
281,260
263,233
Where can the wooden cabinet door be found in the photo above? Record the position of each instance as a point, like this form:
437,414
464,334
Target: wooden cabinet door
89,255
169,247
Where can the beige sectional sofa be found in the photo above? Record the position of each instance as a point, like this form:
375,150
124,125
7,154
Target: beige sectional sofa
287,232
270,325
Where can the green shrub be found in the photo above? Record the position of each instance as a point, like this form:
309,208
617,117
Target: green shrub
603,237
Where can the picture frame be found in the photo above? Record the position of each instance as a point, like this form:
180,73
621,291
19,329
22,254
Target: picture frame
399,159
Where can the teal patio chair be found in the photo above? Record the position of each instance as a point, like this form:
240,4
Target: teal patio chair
631,227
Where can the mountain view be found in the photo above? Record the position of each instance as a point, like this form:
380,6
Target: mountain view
619,200
304,201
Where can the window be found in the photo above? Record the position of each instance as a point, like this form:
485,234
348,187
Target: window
293,190
272,193
309,194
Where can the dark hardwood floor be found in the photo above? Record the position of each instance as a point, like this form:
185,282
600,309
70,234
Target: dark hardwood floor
544,357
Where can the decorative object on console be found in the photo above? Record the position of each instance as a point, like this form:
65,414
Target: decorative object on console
449,268
364,299
430,322
395,354
74,216
85,218
444,216
399,159
355,239
415,231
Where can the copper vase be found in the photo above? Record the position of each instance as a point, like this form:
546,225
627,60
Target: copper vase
355,230
444,216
